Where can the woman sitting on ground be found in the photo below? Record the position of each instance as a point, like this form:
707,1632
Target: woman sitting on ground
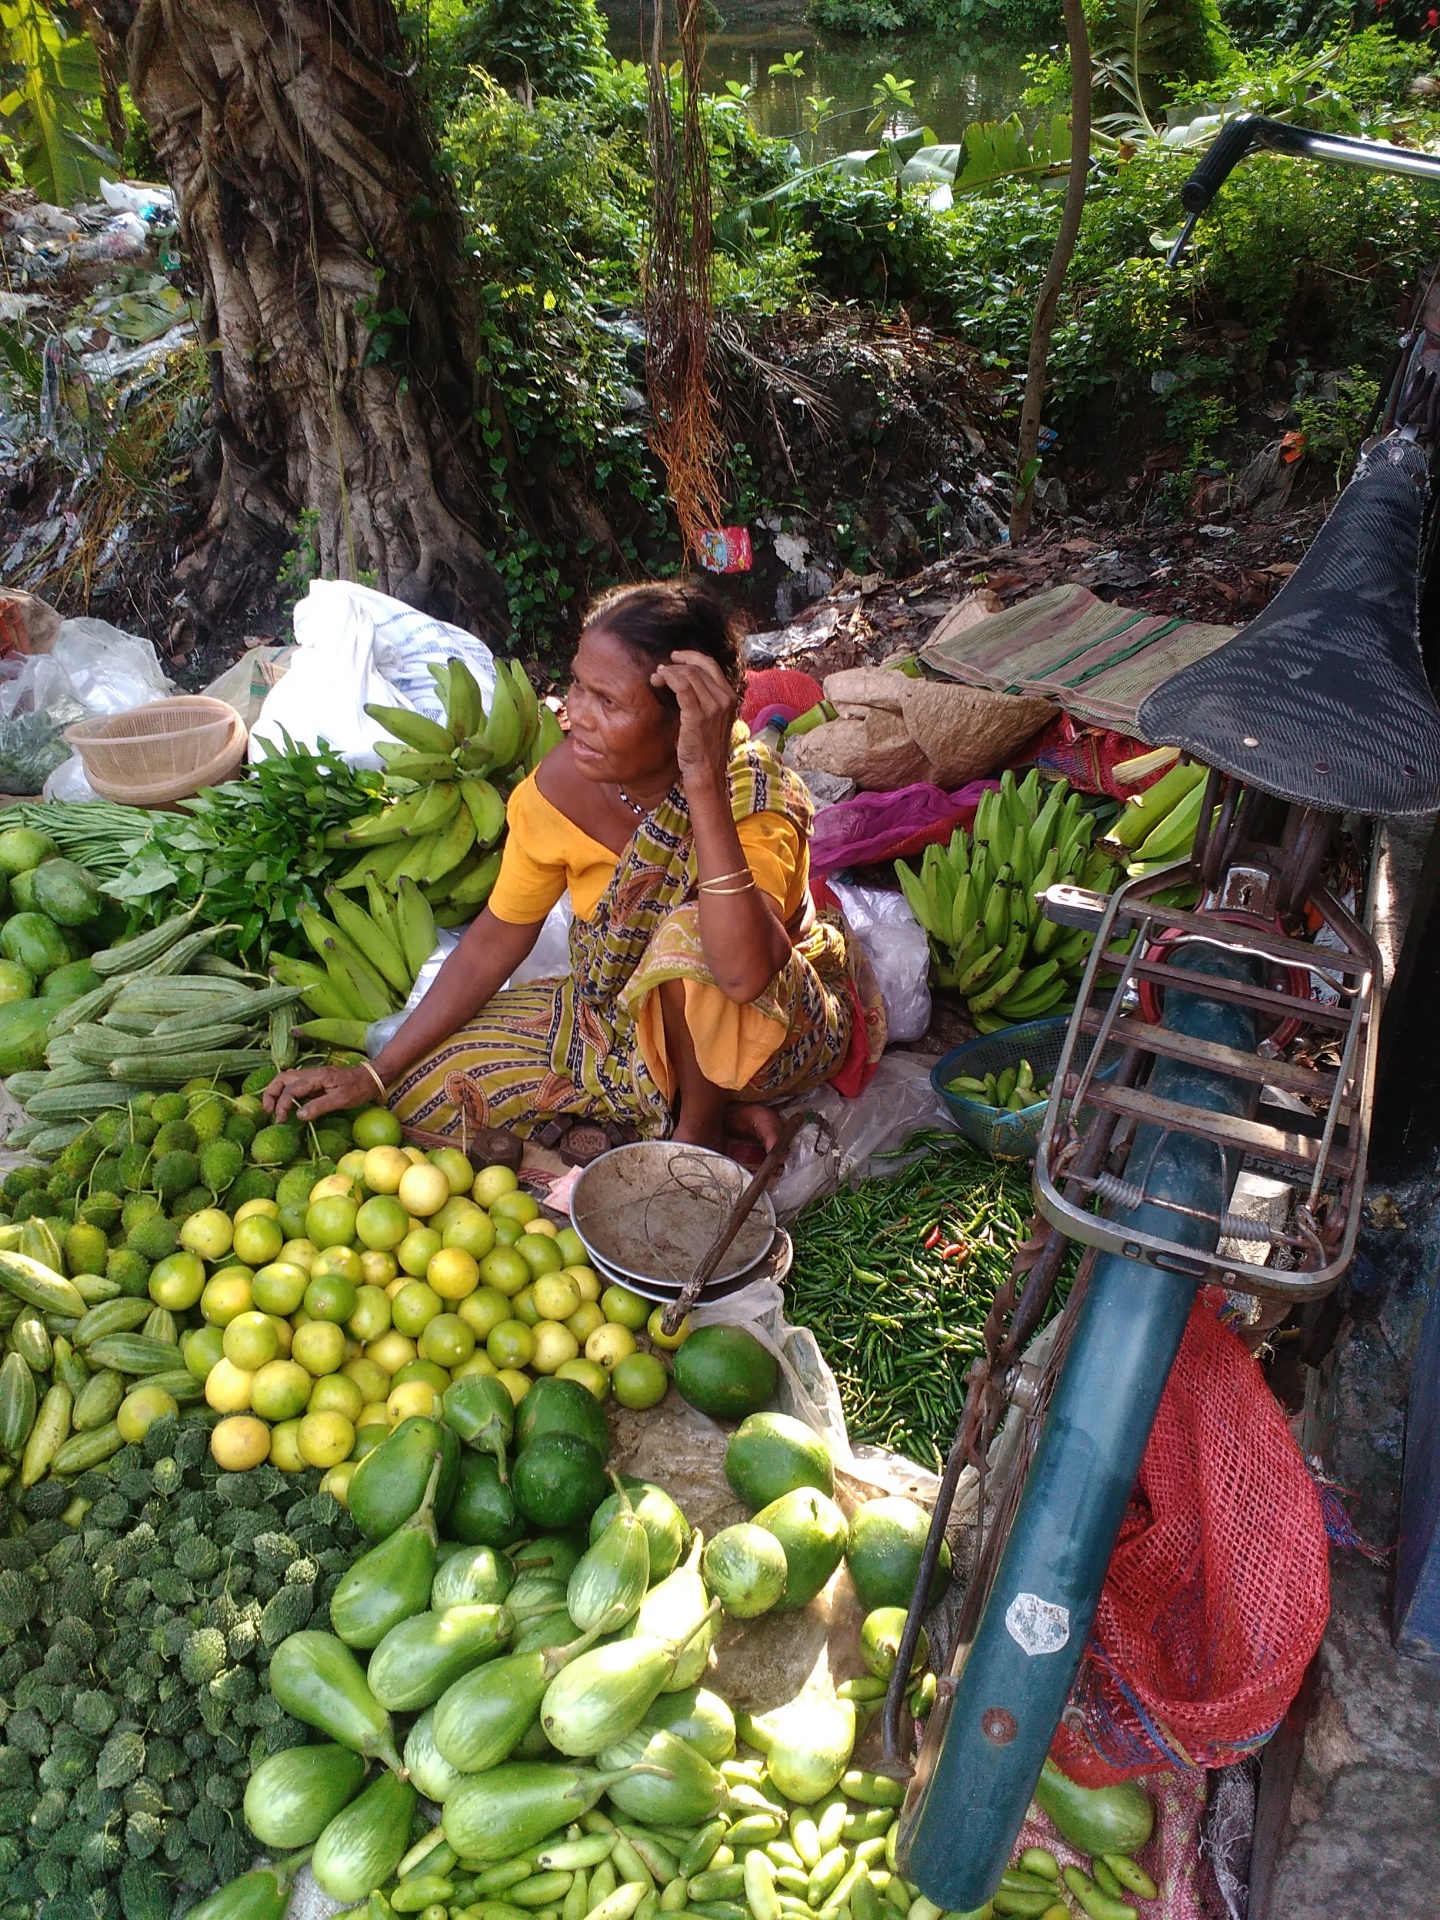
704,983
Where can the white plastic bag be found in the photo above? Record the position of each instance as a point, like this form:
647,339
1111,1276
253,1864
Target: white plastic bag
898,950
110,670
549,958
354,648
92,669
860,1139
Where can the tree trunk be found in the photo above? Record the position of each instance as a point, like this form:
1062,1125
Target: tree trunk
328,250
1043,325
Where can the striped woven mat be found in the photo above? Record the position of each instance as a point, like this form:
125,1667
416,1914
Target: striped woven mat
1095,659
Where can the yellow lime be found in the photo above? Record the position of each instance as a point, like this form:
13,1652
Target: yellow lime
390,1352
547,1229
554,1345
337,1481
609,1344
515,1383
330,1297
626,1309
371,1316
209,1233
639,1381
539,1252
325,1439
667,1342
336,1393
504,1270
586,1279
373,1381
285,1447
584,1320
515,1205
412,1397
375,1127
240,1443
423,1190
455,1167
510,1345
177,1281
452,1273
594,1379
483,1309
447,1340
414,1306
251,1340
523,1307
257,1240
280,1390
572,1247
472,1232
416,1156
479,1362
352,1165
251,1209
279,1288
227,1387
331,1222
507,1232
556,1296
378,1269
334,1186
140,1409
227,1294
319,1347
490,1183
417,1250
300,1252
344,1261
384,1168
202,1347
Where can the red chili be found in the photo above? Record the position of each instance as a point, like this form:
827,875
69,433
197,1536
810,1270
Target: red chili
957,1250
932,1239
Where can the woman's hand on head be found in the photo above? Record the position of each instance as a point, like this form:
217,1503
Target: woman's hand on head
313,1091
707,712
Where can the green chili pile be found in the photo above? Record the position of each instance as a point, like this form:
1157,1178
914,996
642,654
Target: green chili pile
895,1278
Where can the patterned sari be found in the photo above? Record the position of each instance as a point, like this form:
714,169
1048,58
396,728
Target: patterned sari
591,1045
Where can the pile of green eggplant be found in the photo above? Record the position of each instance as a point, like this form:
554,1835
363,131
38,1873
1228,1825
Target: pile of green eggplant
547,1696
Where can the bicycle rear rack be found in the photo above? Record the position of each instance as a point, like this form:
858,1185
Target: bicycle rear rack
1321,1150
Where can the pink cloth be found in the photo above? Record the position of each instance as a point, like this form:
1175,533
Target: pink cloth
1171,1856
885,826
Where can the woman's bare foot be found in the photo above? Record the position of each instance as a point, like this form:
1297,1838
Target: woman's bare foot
751,1130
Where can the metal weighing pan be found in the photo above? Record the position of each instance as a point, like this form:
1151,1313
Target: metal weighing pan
650,1212
772,1266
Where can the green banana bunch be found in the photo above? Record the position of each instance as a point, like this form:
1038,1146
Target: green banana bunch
1158,826
977,900
1014,1089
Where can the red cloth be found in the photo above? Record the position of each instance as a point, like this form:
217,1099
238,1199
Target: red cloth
887,826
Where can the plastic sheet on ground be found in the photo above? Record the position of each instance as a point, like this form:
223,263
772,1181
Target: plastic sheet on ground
862,1139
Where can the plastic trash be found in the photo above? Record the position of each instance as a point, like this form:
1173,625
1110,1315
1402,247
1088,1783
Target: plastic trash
898,950
92,669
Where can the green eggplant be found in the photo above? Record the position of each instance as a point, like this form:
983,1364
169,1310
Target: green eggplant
611,1577
807,1745
363,1844
509,1810
604,1694
483,1512
420,1658
678,1609
293,1796
470,1577
664,1523
555,1629
482,1718
536,1594
261,1895
1114,1819
316,1678
391,1581
553,1554
479,1409
683,1790
698,1717
390,1482
430,1773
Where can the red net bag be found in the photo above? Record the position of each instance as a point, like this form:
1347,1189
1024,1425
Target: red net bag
1219,1586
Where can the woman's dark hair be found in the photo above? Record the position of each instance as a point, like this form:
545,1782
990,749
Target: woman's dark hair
665,617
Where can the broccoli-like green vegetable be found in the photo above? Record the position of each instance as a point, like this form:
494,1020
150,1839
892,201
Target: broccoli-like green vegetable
277,1145
28,1731
143,1895
93,1712
15,1805
203,1656
121,1758
139,1207
208,1115
286,1613
174,1173
143,1834
20,1181
49,1811
143,1124
220,1164
194,1200
334,1139
169,1106
134,1168
102,1850
176,1136
154,1239
205,1823
143,1796
234,1687
169,1477
129,1270
242,1129
198,1558
107,1177
101,1209
63,1186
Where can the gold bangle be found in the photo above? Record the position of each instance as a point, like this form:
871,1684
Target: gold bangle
734,874
369,1068
707,887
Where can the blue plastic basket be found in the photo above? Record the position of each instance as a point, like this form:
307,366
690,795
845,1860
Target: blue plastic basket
995,1130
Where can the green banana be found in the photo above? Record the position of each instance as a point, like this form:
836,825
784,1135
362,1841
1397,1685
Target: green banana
916,896
1175,834
378,828
962,918
487,809
451,847
379,863
417,730
503,724
992,996
418,855
464,708
337,1032
359,984
435,810
996,912
326,1000
977,969
1145,812
416,925
548,736
1041,1002
474,890
372,940
425,767
527,705
381,903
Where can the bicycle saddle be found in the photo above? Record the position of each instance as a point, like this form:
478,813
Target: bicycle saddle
1323,698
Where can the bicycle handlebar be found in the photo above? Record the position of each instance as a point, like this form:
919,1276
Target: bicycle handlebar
1250,130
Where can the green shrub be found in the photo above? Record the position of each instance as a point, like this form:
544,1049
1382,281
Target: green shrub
539,46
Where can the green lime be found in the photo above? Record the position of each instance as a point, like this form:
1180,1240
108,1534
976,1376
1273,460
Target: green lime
639,1381
626,1309
446,1340
511,1344
414,1307
375,1127
331,1297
